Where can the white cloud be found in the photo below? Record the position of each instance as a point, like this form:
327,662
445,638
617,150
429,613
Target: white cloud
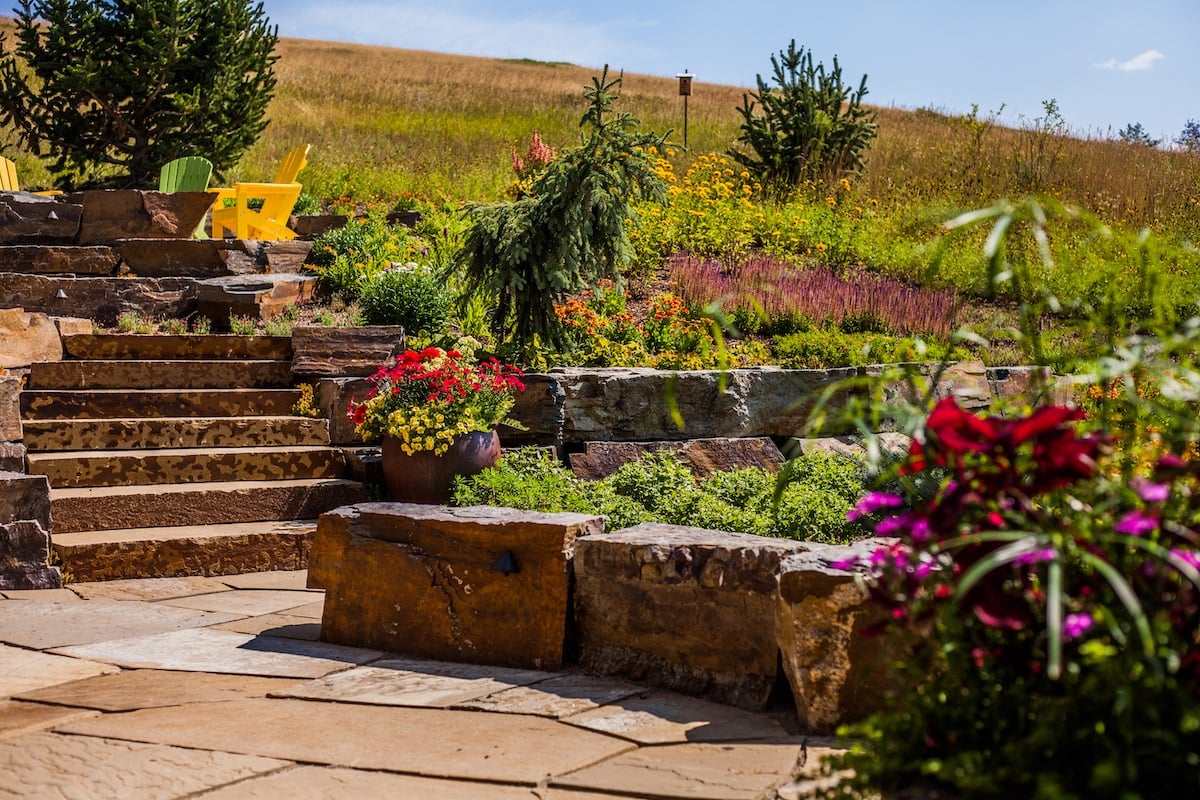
1139,63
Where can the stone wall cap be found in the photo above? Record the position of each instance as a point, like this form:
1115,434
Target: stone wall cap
685,536
480,515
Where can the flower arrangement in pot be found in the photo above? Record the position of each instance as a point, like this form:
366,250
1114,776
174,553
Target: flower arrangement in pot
436,413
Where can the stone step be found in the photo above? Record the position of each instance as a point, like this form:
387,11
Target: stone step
117,403
117,507
158,346
144,374
56,435
196,465
171,552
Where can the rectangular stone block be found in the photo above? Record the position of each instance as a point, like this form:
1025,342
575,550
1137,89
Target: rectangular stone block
343,352
540,409
58,260
29,219
479,585
10,407
683,608
12,457
837,675
24,497
704,456
24,550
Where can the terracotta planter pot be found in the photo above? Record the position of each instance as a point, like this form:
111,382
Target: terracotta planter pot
425,477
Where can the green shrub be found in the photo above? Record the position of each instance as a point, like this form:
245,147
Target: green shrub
411,296
660,482
827,347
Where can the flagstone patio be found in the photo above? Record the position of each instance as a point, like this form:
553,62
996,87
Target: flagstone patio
215,688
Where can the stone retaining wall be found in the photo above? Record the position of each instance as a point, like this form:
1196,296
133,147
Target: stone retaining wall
703,612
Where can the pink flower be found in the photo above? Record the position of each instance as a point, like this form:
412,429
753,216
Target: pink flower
1135,523
1075,625
872,503
1152,492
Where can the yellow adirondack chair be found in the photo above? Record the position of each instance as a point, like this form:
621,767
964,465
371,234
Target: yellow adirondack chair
9,182
278,200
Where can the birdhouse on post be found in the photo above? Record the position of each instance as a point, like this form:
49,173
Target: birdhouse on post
685,91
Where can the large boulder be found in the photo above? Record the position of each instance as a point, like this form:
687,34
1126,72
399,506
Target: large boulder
478,585
704,456
113,214
683,608
24,497
27,337
837,674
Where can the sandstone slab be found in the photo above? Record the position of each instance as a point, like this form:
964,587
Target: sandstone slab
743,771
25,670
704,456
664,717
337,352
42,595
248,602
339,782
259,297
24,497
18,718
100,299
479,585
10,407
147,588
157,373
314,610
164,345
119,404
837,675
309,226
682,608
288,626
557,697
28,219
276,579
194,258
226,652
445,744
149,688
72,326
43,625
24,557
113,214
414,682
193,550
540,409
26,338
99,434
53,765
58,260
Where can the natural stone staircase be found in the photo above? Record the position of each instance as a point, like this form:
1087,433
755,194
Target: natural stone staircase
178,455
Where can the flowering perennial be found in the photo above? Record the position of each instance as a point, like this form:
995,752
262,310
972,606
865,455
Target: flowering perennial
425,399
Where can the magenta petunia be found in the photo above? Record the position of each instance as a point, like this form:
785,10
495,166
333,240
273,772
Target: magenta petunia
1135,523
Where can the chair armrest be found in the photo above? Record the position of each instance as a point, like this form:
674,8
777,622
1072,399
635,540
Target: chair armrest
260,189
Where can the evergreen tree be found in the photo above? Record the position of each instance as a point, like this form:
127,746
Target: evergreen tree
114,89
1134,133
808,126
568,232
1189,138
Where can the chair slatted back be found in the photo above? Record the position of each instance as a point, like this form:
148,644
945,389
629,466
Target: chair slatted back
186,174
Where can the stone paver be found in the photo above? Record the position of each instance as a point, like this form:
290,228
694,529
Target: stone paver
285,625
557,697
665,717
46,625
150,688
17,718
707,771
414,682
51,765
58,595
204,650
434,743
249,602
23,670
148,588
295,579
311,610
337,782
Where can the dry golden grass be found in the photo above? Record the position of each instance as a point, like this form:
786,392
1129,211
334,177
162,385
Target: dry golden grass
389,124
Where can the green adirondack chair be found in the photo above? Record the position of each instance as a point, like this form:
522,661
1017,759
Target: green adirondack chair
187,174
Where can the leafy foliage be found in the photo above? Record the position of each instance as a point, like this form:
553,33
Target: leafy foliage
408,295
114,90
571,229
810,126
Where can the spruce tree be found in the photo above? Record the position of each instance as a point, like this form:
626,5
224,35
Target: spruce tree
570,230
114,89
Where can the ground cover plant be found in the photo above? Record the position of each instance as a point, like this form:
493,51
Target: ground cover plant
811,503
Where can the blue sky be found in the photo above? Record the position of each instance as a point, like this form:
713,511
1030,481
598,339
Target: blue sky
1107,62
